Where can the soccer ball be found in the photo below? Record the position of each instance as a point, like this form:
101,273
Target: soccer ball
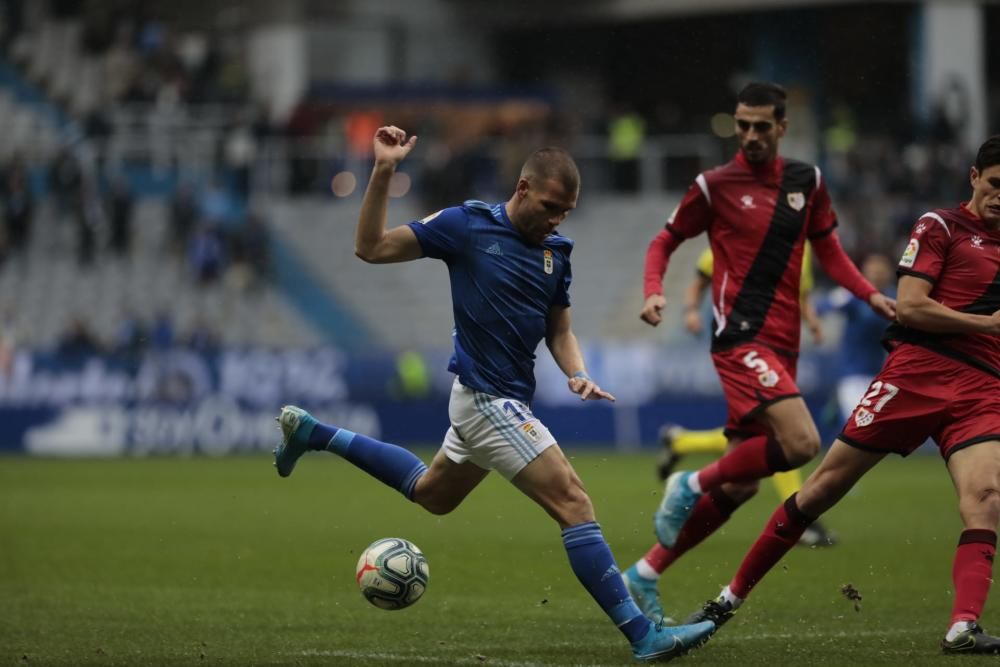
392,573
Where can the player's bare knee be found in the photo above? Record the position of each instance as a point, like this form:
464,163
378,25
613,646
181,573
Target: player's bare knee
573,507
800,448
438,505
984,505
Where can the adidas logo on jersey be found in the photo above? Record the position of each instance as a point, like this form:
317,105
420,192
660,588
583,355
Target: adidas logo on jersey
494,249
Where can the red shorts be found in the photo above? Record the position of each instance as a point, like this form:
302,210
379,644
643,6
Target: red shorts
753,376
920,394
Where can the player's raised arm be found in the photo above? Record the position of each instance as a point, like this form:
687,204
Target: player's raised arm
565,349
372,242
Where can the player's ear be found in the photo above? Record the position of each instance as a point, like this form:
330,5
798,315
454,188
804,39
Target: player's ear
522,187
782,127
973,176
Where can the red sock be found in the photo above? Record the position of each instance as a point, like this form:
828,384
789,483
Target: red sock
972,573
780,534
752,459
710,512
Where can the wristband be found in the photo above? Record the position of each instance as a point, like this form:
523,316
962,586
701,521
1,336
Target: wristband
582,375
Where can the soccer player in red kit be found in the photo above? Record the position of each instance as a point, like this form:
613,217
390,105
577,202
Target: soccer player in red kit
758,210
941,380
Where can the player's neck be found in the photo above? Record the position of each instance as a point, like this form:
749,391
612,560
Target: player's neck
764,167
970,207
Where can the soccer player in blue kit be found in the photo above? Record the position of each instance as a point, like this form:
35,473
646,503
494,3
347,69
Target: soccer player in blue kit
510,276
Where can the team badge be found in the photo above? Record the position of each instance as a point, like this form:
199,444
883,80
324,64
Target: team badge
977,241
548,261
529,430
863,417
796,200
910,254
768,378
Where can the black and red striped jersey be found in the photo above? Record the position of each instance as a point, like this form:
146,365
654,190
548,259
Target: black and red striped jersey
960,257
757,218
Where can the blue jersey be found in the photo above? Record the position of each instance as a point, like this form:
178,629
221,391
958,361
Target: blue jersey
502,290
860,351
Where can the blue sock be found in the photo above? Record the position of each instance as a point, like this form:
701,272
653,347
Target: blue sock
390,464
592,563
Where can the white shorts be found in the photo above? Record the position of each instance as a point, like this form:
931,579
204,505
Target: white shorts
492,432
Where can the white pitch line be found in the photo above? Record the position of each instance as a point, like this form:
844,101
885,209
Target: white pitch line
769,636
842,634
407,657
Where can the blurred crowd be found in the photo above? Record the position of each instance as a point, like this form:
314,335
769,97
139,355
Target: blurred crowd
473,140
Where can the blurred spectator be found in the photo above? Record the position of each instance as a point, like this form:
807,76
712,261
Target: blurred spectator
626,134
77,340
183,217
205,254
120,207
413,379
202,337
251,253
18,204
130,335
238,153
11,22
161,333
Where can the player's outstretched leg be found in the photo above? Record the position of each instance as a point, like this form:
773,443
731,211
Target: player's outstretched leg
679,498
390,464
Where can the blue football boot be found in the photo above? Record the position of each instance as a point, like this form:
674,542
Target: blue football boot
675,508
296,425
663,643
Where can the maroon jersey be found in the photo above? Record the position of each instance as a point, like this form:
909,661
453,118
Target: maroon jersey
960,257
757,219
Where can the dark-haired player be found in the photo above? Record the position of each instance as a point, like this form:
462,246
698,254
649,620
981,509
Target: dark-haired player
941,380
758,211
510,276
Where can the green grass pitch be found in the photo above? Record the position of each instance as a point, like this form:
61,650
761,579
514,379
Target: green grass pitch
218,561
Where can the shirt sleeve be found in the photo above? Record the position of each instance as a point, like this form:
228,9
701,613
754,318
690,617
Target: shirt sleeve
442,235
561,297
694,214
925,254
822,217
691,217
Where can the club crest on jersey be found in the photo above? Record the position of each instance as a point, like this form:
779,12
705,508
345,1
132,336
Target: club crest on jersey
529,430
863,417
910,254
921,228
548,261
977,241
747,201
768,378
796,200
